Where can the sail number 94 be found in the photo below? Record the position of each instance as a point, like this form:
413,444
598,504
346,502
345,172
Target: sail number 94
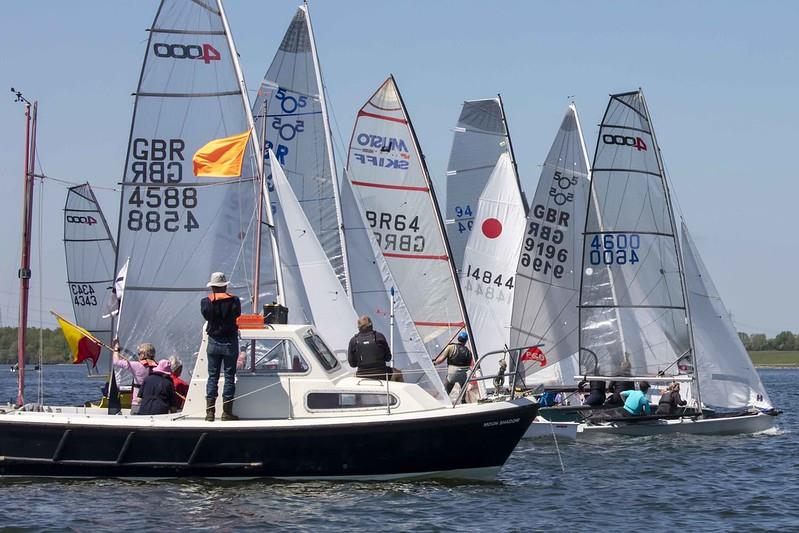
614,249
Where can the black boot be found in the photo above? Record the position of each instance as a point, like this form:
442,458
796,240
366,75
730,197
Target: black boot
210,409
227,410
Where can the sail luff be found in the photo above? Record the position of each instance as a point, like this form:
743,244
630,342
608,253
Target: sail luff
439,220
512,153
330,152
678,251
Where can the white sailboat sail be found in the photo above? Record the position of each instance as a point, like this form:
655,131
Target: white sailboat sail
727,378
298,132
489,261
547,281
177,228
370,289
90,254
480,137
632,242
331,310
387,173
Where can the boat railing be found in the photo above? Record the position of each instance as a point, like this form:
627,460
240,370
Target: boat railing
514,372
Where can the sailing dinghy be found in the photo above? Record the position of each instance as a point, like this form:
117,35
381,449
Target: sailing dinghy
641,325
302,415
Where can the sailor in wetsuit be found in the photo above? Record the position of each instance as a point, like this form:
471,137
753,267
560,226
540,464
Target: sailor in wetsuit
369,352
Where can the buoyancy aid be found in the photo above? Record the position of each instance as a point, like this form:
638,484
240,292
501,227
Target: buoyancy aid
371,355
460,356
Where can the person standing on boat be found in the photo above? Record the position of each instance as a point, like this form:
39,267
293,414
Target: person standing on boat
369,352
617,387
459,359
140,369
635,401
221,310
157,393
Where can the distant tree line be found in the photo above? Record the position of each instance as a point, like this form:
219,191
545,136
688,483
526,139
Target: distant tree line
757,342
54,347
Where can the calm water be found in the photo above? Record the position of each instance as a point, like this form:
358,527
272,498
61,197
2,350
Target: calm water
667,483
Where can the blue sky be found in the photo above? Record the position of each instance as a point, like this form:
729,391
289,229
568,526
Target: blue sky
720,78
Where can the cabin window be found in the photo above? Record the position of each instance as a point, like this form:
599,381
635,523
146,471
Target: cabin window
272,356
321,351
348,400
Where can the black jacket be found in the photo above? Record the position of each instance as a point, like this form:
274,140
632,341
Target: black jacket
369,352
221,311
157,395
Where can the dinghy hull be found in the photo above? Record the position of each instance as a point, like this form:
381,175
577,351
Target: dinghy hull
732,425
440,444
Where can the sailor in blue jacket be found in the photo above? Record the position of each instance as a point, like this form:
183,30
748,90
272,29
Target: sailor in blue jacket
635,401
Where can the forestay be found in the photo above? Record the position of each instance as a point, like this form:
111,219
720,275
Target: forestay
370,288
480,138
631,242
489,262
391,183
177,228
330,309
90,253
547,285
726,374
298,132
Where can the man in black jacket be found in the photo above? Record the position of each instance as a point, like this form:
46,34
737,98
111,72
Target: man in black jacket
221,310
369,352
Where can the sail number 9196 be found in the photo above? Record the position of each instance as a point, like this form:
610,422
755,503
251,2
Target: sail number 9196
614,249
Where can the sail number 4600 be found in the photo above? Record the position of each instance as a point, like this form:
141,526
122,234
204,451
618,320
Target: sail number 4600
614,249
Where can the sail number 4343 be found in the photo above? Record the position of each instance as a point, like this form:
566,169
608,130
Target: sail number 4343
614,249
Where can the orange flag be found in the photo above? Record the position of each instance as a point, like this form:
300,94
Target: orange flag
221,158
82,343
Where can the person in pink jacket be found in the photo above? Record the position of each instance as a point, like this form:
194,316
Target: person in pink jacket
140,369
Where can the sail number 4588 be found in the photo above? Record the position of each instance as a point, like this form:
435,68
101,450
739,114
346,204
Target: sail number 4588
614,249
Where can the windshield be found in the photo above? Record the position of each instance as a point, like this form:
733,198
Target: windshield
322,352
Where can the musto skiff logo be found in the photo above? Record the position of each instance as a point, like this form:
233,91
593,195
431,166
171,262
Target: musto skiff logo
81,220
204,51
385,152
623,140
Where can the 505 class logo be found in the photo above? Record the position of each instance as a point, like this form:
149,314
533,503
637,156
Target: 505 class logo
623,140
81,220
205,51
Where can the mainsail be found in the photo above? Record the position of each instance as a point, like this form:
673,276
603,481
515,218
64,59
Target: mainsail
481,136
632,242
489,262
390,180
371,285
177,228
327,302
726,375
90,253
298,132
548,272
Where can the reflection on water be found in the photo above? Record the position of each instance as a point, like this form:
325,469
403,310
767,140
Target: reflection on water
676,482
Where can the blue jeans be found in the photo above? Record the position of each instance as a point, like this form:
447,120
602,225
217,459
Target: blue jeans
219,352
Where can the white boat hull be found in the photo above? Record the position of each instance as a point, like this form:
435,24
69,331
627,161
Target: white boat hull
542,428
755,423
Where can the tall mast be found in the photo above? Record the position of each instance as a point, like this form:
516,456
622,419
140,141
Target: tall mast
512,154
27,223
329,143
678,251
264,191
439,220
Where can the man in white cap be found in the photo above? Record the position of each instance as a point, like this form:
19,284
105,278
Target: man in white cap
221,310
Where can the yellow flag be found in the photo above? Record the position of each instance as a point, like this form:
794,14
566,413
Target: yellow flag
221,158
82,344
